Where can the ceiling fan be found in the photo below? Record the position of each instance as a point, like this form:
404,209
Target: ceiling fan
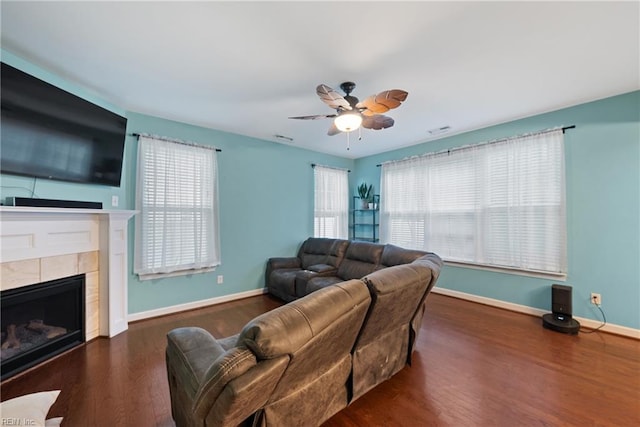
351,113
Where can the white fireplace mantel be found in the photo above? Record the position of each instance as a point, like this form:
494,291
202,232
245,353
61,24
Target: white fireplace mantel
39,233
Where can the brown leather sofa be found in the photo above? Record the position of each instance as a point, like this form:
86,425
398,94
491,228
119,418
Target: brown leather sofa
322,262
305,361
387,338
289,366
316,257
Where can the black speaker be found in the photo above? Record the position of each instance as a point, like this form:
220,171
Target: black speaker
561,300
52,203
560,320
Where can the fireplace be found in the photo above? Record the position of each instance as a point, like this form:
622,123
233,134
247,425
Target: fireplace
40,321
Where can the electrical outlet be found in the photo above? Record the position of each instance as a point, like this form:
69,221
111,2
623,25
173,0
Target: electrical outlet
596,299
114,201
220,279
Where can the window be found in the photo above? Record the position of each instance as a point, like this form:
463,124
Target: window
176,194
498,204
331,205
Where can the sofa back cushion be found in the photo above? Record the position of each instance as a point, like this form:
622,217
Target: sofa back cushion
396,292
395,255
382,348
360,259
320,250
290,327
228,366
432,262
318,332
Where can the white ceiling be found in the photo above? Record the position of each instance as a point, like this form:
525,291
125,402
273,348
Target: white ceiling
244,67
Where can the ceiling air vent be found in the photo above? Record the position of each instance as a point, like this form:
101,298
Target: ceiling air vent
439,131
283,138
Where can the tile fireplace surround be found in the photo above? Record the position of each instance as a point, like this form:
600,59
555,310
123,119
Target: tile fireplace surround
41,244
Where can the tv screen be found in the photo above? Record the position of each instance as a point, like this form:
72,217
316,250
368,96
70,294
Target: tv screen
49,133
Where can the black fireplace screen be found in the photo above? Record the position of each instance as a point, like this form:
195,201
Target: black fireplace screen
41,321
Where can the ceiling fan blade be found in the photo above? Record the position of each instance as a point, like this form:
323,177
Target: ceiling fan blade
315,117
382,102
332,98
377,122
333,130
371,107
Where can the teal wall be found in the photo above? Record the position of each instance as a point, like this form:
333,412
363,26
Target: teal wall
266,209
603,209
266,205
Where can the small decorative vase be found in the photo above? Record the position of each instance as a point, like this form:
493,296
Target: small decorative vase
371,206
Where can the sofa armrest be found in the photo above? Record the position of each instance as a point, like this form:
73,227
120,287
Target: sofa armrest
228,366
284,262
191,351
279,263
303,277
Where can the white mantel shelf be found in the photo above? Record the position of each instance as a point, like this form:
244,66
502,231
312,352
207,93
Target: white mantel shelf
35,233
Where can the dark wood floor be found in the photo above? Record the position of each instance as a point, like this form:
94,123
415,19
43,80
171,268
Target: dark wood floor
474,366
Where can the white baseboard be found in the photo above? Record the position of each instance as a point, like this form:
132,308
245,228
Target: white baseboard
193,305
589,323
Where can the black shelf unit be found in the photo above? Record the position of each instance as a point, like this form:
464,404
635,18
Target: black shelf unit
365,222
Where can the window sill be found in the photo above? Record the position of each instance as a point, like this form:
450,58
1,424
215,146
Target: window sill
153,276
529,273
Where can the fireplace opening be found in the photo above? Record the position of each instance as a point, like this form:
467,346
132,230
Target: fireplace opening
41,321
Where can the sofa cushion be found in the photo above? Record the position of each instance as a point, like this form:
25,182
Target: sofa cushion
282,282
396,293
320,250
228,366
361,259
315,384
395,255
289,327
318,283
30,409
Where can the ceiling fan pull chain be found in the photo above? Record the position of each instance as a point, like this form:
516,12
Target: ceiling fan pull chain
360,134
348,141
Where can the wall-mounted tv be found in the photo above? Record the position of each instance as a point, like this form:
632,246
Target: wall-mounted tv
49,133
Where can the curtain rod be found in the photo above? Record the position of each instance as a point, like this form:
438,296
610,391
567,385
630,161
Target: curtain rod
313,165
177,141
564,128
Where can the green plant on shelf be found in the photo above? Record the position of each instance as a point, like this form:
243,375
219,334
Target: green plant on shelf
364,192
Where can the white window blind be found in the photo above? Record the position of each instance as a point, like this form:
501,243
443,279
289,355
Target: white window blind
499,204
177,227
331,207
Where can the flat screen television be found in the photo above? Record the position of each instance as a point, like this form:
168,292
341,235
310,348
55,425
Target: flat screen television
49,133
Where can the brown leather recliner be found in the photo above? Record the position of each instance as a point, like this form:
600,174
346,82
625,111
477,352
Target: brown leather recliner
315,384
289,366
434,263
286,277
211,385
387,338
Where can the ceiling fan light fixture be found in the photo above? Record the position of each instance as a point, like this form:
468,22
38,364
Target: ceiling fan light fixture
349,121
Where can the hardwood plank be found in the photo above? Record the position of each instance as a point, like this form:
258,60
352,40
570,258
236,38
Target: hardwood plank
474,365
